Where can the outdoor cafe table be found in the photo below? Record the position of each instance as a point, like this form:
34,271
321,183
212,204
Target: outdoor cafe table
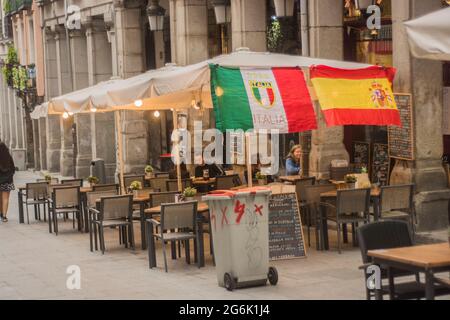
201,209
291,179
429,259
331,196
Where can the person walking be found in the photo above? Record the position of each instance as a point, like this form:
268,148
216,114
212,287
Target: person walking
7,170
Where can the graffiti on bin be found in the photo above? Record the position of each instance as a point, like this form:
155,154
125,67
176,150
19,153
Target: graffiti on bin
252,246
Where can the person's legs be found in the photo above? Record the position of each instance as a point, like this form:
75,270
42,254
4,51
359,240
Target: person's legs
5,203
1,204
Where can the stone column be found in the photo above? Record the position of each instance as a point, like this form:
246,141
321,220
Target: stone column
189,30
423,79
52,122
248,24
42,143
36,145
64,86
130,62
326,41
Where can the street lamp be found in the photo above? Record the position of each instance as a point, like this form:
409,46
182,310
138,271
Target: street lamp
222,10
284,8
155,15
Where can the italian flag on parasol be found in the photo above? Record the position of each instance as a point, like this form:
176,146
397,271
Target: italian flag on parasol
253,98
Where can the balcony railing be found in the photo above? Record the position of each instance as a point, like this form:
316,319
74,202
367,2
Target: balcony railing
13,6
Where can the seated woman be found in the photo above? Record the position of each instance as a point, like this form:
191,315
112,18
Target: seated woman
293,161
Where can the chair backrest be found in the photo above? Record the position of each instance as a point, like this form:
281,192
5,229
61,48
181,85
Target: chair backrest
144,192
92,197
106,187
397,197
116,207
172,184
52,180
352,200
226,182
37,190
128,179
383,235
300,185
159,183
161,175
338,173
312,193
66,196
178,215
72,182
158,198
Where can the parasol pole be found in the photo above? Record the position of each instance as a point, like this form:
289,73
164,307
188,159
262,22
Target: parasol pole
120,155
177,149
248,160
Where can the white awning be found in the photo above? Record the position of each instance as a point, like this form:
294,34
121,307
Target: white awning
429,35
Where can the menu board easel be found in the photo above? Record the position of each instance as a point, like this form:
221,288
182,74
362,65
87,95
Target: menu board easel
285,228
401,139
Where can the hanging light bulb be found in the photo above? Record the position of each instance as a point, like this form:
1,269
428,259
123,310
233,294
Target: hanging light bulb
156,114
93,109
219,91
138,103
65,115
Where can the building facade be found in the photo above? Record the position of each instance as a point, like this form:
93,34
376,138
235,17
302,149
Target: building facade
74,44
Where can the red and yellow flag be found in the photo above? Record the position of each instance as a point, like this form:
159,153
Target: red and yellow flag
359,96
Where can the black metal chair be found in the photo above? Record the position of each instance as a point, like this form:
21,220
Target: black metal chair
181,217
36,194
72,182
352,206
172,184
397,203
115,211
65,200
388,235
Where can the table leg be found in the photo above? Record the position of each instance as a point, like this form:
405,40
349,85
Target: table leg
151,246
324,227
85,211
429,285
344,233
200,243
142,216
391,284
20,200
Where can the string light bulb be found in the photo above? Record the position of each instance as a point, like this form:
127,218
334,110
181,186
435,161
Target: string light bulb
156,114
138,103
93,109
65,115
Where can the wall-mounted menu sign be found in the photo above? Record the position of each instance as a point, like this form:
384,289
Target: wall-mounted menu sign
401,139
361,154
380,164
285,228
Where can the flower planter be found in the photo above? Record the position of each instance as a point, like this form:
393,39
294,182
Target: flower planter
135,193
351,185
261,182
149,174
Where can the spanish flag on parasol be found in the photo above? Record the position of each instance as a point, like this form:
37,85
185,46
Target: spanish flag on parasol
356,97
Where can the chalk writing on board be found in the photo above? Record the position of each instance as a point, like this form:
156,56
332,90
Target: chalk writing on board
380,164
285,229
401,139
361,154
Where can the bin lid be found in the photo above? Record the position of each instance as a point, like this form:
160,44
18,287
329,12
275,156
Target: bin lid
223,194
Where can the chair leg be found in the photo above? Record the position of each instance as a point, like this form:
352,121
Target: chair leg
35,213
344,233
39,211
102,239
28,215
45,212
187,251
151,246
95,235
164,254
120,234
132,235
55,222
339,237
91,246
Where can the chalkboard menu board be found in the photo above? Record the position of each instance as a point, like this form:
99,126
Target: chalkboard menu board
285,228
380,164
361,154
401,138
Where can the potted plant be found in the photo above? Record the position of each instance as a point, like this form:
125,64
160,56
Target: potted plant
48,178
189,193
261,178
350,180
92,180
135,186
149,171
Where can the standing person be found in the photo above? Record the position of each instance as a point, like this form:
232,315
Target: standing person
293,161
7,170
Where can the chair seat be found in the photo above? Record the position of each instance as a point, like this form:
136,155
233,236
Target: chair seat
66,210
395,215
348,217
110,223
32,201
175,236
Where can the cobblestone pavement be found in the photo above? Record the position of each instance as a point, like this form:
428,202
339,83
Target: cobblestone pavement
33,265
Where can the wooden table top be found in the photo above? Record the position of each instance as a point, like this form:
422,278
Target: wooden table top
425,256
201,207
333,193
201,181
290,178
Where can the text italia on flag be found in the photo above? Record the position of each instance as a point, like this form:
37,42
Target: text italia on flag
356,97
251,98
